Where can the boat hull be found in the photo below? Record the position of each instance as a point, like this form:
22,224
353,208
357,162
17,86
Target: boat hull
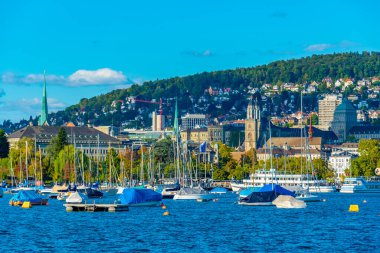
193,196
147,204
256,204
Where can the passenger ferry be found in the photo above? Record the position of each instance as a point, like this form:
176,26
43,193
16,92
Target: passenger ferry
289,181
360,185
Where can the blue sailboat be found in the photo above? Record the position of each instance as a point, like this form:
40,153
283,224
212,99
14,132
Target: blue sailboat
140,197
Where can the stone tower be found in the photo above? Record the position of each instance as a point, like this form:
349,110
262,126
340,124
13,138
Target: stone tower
44,110
252,125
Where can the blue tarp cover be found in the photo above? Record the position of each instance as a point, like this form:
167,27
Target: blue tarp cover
219,190
23,196
277,189
139,195
249,190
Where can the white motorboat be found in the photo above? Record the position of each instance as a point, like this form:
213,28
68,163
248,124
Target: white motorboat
285,201
192,193
360,185
76,198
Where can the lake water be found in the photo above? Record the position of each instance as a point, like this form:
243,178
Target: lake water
221,226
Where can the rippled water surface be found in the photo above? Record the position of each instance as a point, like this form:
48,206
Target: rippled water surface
221,226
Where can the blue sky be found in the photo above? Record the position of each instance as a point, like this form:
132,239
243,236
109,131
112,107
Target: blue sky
92,47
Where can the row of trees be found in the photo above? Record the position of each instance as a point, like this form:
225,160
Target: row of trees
62,163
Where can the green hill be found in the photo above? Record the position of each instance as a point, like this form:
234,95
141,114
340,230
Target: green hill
189,89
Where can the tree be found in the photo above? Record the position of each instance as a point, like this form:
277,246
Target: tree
4,144
369,158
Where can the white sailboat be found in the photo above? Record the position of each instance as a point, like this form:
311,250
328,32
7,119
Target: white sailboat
302,191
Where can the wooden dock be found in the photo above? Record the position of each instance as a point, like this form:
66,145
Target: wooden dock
96,207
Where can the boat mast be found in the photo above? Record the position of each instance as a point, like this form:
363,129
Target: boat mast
42,181
97,160
301,140
35,160
75,170
271,153
142,165
12,173
131,174
21,173
82,165
26,163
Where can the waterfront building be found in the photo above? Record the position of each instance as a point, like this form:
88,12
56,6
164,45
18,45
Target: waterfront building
349,147
340,161
190,121
262,154
326,109
296,142
196,135
92,141
109,130
216,133
344,119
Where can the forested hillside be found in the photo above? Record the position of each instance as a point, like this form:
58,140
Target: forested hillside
190,90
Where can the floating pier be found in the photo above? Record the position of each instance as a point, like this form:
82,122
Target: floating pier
96,207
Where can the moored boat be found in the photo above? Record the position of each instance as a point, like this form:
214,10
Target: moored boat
360,185
76,198
265,195
192,193
140,197
27,196
286,201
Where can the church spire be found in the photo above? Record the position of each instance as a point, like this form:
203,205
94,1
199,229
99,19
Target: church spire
44,110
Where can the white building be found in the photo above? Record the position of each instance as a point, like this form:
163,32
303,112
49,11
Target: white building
158,122
339,162
326,109
190,121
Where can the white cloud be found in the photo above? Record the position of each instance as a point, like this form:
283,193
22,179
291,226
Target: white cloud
8,77
344,44
96,77
206,53
82,77
318,47
39,78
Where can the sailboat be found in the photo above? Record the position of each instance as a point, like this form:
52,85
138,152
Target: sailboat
302,191
191,192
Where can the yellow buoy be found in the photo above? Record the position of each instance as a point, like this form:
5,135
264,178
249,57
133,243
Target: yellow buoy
164,207
354,208
166,213
26,204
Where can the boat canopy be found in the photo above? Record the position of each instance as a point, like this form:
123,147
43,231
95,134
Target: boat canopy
277,189
76,198
219,190
30,196
267,193
286,201
191,190
139,195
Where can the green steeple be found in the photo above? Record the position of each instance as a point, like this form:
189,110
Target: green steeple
44,110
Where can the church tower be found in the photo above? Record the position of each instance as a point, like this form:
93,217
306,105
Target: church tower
252,125
43,121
